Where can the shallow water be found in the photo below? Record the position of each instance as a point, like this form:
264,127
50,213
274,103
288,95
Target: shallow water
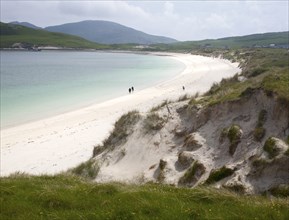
36,85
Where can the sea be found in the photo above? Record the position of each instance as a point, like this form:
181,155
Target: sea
36,85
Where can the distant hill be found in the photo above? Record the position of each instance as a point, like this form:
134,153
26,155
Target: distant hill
26,24
12,33
106,32
274,39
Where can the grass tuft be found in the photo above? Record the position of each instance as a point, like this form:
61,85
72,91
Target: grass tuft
87,170
183,97
122,129
280,191
259,131
219,174
193,174
270,147
161,175
153,122
158,107
234,134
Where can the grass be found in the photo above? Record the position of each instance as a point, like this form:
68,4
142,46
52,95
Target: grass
68,197
11,34
264,69
280,191
161,175
277,83
153,122
158,107
287,153
228,42
270,147
123,127
238,188
260,163
219,174
259,131
183,98
192,175
233,133
190,143
87,170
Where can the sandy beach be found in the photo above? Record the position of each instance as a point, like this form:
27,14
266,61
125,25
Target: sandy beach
61,142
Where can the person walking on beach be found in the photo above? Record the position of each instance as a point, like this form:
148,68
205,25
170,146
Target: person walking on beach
132,89
129,90
183,88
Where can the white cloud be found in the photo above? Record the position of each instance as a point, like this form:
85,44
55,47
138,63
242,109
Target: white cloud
102,10
183,20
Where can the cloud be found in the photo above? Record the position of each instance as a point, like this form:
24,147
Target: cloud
101,10
183,20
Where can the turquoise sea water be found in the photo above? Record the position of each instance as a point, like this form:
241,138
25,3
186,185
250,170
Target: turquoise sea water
35,85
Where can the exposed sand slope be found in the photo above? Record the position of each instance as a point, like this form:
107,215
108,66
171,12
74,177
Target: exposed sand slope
191,134
55,144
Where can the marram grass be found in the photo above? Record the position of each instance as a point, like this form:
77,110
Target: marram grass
68,197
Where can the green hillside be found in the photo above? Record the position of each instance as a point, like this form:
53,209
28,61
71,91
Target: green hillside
11,34
254,40
107,32
68,197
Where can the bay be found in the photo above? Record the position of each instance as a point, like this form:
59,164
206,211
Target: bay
36,85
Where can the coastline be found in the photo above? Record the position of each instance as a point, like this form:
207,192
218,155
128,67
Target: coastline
55,144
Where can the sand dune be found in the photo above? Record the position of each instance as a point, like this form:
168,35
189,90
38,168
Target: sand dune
58,143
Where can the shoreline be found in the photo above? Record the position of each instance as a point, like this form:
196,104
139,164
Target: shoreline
81,105
57,143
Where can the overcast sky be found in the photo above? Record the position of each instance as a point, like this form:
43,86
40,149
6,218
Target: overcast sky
182,20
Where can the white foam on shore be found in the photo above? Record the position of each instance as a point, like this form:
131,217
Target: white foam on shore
58,143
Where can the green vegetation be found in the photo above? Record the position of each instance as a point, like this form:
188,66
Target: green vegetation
270,147
238,188
192,175
207,46
161,175
274,81
153,122
259,131
280,191
233,133
68,197
277,83
260,163
11,34
158,107
223,135
219,174
183,97
122,129
87,170
191,143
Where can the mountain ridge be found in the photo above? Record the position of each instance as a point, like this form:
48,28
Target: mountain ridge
107,32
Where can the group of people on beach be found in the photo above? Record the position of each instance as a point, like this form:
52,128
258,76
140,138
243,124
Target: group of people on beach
131,90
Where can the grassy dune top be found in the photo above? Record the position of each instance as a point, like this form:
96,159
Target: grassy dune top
266,69
68,197
254,40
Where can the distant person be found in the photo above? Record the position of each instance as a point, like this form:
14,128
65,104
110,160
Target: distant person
183,88
129,90
132,89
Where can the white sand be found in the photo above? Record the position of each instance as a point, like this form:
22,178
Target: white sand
58,143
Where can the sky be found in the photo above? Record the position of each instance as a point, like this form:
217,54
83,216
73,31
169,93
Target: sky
182,20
